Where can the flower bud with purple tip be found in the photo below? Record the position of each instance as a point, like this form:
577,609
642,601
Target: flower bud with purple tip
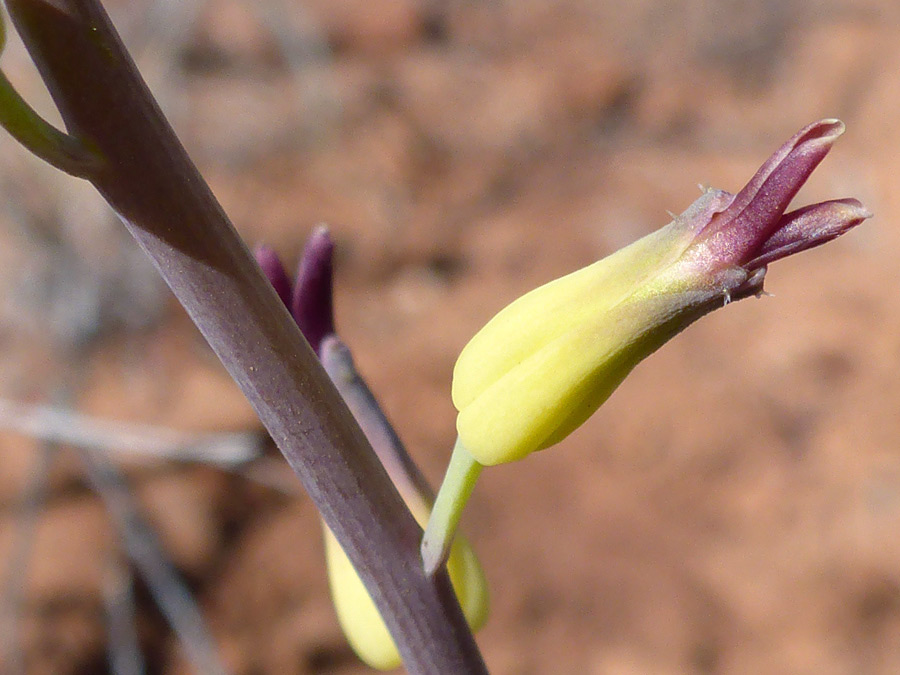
545,363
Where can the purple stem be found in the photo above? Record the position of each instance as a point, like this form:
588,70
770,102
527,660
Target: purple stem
154,187
313,300
338,363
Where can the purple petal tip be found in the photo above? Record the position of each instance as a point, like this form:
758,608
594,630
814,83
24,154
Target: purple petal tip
809,227
312,305
829,128
274,271
738,234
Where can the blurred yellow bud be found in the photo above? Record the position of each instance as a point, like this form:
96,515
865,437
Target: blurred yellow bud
362,624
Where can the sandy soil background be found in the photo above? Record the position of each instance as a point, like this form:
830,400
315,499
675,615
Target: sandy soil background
734,508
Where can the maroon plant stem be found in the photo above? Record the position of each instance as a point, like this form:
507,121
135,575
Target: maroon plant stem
150,181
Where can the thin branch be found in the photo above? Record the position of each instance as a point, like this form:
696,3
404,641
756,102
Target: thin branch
149,180
170,592
123,645
238,452
62,425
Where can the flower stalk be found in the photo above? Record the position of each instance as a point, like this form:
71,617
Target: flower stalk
41,138
459,481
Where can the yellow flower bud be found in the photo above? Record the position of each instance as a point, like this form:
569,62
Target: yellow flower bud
544,364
